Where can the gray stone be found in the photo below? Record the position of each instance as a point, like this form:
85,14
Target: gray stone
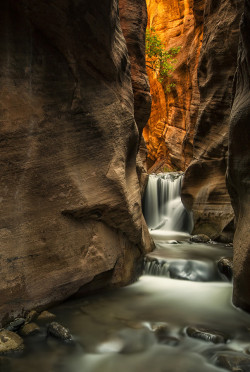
208,335
201,238
58,331
10,342
15,325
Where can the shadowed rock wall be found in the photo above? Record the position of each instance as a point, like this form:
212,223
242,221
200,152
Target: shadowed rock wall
169,132
204,188
239,165
69,191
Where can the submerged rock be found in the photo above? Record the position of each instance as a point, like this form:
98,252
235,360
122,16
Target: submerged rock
58,331
225,266
201,238
30,329
233,361
161,331
207,335
16,324
10,342
135,341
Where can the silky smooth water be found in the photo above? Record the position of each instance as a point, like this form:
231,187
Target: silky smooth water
164,212
114,331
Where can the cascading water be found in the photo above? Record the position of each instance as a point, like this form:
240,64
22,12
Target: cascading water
148,326
163,209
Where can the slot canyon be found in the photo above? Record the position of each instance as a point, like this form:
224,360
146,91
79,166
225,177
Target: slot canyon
125,199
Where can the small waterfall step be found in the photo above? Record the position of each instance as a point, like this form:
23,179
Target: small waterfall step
163,209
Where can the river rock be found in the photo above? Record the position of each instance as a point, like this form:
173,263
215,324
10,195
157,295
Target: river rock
200,238
10,342
15,325
233,361
32,315
46,316
161,331
207,335
29,329
225,266
60,332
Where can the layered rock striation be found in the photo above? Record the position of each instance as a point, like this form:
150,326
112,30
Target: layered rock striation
169,132
204,188
70,198
239,164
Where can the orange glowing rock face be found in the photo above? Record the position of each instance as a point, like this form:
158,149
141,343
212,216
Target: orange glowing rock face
170,129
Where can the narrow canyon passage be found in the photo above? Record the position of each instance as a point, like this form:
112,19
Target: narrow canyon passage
125,186
177,318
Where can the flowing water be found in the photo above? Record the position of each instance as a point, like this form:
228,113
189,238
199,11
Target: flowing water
143,327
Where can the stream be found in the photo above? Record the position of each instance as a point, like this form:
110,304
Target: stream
146,326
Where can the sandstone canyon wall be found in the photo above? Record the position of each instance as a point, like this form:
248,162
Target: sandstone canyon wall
169,132
70,197
239,165
204,189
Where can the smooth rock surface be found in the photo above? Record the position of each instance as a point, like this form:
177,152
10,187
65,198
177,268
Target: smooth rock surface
170,130
70,195
204,187
239,164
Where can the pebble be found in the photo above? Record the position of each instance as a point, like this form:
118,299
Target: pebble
58,331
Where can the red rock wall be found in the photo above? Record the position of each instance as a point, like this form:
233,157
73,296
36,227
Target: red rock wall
239,166
169,132
70,196
204,188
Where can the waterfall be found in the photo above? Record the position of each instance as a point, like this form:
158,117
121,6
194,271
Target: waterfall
162,206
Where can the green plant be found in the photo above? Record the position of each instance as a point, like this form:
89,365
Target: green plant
159,59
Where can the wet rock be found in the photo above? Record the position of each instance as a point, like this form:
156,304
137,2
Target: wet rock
46,316
16,324
10,342
233,361
161,331
29,329
31,316
201,238
197,271
58,331
207,335
225,266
